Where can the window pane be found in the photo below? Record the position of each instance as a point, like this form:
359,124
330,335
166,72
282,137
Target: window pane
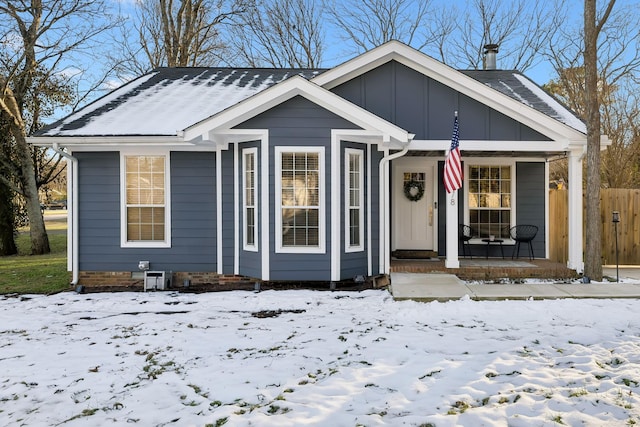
489,199
300,194
146,232
354,230
250,198
354,198
145,198
313,237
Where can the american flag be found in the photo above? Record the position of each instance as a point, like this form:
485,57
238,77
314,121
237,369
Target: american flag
452,164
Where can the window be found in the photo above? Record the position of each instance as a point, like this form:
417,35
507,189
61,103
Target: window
299,199
490,200
145,201
249,201
354,197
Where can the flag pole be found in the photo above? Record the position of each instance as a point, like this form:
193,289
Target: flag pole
455,192
452,180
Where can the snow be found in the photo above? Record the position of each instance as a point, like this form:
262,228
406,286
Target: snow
317,358
165,108
564,115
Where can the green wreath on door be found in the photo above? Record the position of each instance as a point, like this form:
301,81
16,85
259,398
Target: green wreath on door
414,190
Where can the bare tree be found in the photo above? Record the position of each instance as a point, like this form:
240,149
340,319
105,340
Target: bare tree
39,36
280,33
592,29
365,24
620,118
620,121
176,33
521,28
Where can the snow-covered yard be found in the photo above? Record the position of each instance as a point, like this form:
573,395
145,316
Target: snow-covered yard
292,358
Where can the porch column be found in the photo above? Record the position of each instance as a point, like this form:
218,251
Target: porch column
452,261
575,259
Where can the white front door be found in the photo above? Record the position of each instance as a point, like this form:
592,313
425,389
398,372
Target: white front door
414,214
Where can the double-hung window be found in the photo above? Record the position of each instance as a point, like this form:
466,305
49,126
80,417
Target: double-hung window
300,199
250,211
354,199
490,200
145,201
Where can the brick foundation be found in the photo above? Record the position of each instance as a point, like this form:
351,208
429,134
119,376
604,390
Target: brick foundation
198,281
111,281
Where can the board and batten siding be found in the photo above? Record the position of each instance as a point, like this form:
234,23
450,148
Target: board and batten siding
228,213
531,190
443,199
250,262
355,263
193,246
299,122
529,209
425,107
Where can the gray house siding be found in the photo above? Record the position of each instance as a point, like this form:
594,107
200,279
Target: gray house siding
193,215
376,158
250,262
530,204
443,199
353,263
298,122
228,214
99,212
425,107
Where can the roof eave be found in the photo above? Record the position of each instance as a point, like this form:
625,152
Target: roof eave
106,140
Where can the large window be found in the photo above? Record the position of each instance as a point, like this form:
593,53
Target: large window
300,199
145,201
490,200
354,198
249,200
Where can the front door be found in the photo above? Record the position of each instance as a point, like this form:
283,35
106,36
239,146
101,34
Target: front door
414,214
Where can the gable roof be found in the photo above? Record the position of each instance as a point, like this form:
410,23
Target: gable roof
288,89
512,97
168,100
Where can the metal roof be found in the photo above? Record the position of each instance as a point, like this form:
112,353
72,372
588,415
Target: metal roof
169,100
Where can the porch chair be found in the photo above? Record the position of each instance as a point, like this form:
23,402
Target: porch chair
523,234
465,233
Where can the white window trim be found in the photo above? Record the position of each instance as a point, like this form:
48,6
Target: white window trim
279,248
166,243
489,162
347,208
253,247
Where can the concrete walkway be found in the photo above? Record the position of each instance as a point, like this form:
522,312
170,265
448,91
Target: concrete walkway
446,287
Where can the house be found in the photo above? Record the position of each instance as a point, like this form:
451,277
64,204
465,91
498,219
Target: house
299,175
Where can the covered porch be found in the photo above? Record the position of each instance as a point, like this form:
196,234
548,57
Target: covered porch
488,270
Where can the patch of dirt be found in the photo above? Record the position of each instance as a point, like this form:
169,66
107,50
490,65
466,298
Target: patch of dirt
274,313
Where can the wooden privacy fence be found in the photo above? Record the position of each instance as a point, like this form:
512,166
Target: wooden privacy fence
625,201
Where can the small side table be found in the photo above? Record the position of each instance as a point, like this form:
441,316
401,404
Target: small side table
489,242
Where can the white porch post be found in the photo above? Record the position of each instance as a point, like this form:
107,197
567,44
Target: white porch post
451,260
575,260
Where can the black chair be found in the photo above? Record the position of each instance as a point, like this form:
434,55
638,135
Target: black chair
523,234
465,233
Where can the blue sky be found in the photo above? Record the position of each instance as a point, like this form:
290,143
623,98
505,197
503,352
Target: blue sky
335,54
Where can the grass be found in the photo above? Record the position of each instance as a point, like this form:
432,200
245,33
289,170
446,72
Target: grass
37,274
